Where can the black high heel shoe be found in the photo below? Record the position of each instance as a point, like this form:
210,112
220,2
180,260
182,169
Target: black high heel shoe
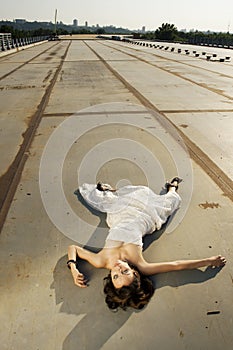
170,184
99,186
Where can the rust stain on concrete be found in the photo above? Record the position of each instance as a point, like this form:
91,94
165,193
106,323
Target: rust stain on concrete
48,76
207,205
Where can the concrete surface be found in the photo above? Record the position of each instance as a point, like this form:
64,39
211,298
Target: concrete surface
40,307
21,93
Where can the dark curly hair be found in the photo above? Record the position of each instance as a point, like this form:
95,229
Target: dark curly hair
135,295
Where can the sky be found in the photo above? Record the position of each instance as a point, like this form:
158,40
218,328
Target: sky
213,15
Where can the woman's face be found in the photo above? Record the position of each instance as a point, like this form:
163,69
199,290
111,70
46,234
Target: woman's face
122,274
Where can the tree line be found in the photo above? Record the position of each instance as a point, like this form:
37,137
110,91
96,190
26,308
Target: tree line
30,29
165,32
168,32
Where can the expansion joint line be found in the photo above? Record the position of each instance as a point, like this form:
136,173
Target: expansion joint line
10,180
174,73
25,63
201,158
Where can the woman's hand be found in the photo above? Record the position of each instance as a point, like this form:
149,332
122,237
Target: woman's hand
78,277
217,261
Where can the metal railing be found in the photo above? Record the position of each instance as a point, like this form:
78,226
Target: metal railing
7,43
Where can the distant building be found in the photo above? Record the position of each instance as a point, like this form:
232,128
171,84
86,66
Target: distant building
20,21
86,24
97,25
75,22
143,29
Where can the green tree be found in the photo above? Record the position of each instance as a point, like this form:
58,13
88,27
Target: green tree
100,31
167,31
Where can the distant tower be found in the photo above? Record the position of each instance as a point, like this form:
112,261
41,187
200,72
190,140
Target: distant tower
143,29
75,22
86,24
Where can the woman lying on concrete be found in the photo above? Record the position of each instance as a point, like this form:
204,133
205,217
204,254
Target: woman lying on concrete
132,212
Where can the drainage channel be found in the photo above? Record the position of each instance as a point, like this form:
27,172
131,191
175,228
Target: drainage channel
10,180
216,174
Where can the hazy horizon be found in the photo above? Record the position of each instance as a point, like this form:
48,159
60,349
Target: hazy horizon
197,15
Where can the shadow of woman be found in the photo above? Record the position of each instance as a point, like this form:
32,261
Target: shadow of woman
98,237
97,323
177,278
181,278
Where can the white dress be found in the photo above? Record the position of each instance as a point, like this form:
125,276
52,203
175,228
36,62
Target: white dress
132,211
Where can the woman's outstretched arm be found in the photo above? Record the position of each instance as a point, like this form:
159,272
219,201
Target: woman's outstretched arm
153,268
75,252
